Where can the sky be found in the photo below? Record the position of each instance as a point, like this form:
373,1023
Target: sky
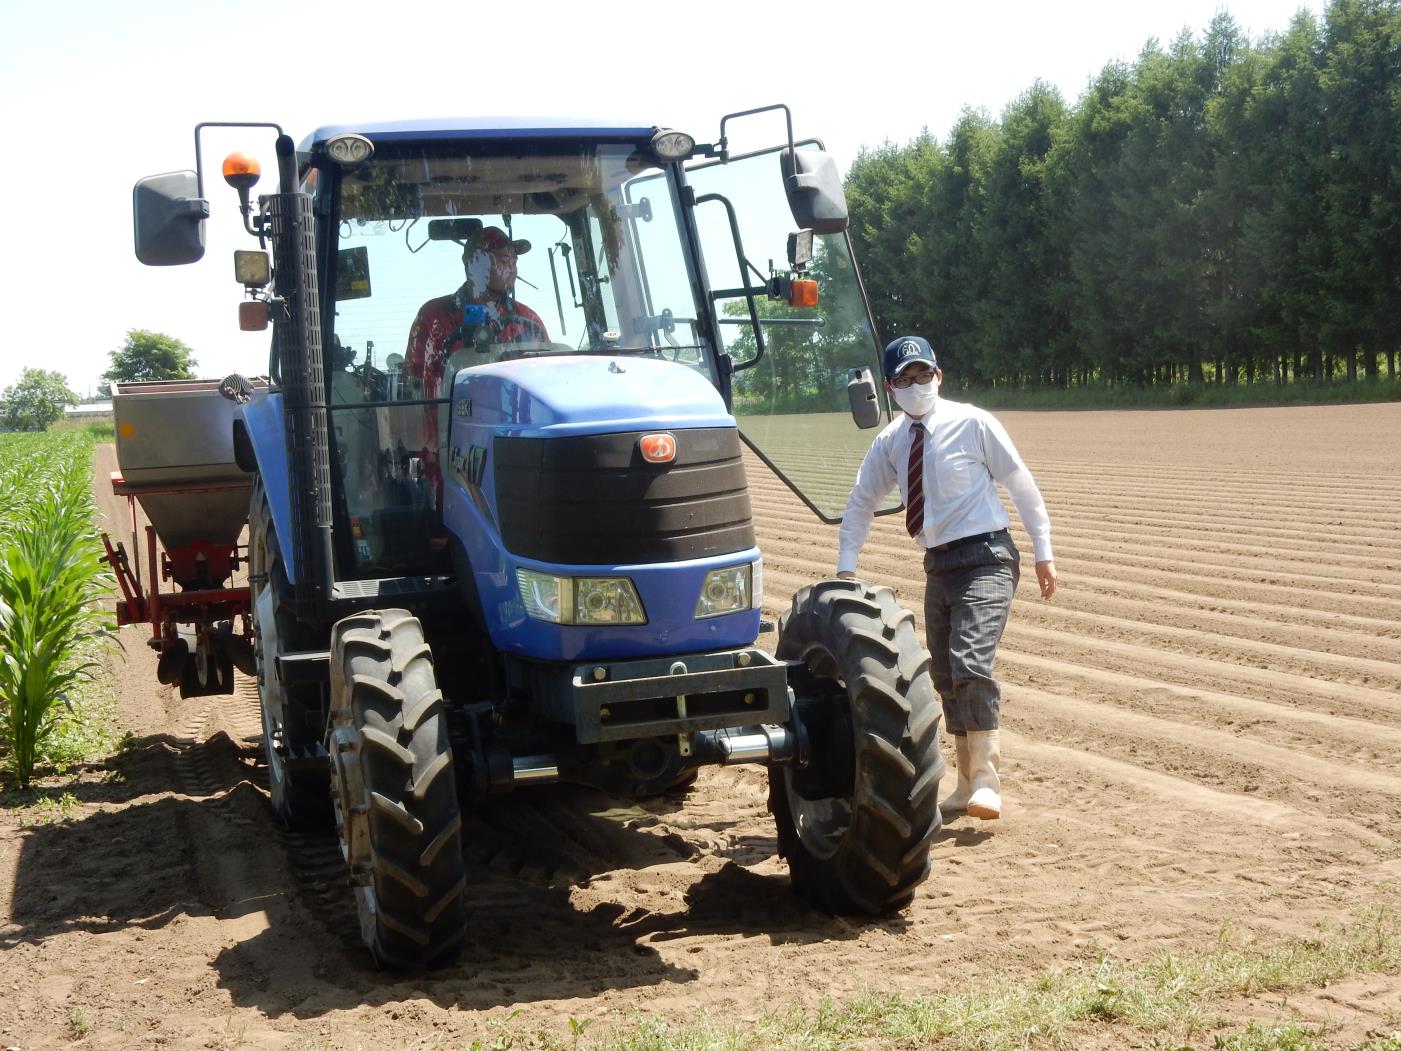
94,95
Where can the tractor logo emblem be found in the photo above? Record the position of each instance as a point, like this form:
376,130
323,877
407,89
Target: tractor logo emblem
658,448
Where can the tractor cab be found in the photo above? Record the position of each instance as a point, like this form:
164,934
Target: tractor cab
539,259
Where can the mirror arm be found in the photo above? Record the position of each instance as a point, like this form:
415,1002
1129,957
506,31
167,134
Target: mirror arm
723,145
199,162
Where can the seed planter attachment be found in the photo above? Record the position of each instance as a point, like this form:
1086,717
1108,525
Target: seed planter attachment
175,450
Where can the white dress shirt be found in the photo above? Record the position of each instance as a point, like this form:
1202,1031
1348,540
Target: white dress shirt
965,451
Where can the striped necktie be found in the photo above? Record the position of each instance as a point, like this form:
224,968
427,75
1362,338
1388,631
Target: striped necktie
914,500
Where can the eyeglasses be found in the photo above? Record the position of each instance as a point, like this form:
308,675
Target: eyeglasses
923,378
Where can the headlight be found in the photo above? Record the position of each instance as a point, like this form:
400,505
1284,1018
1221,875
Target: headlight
579,600
607,600
731,590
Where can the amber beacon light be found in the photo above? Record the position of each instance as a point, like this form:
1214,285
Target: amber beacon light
241,171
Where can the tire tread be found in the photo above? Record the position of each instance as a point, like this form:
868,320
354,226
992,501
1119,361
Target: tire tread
860,636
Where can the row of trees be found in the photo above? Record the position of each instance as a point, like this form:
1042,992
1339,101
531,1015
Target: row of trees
1222,210
37,399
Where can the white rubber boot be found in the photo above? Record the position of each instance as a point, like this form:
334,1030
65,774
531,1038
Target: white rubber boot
985,756
958,802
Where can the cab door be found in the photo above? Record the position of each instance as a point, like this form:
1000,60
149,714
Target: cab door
792,364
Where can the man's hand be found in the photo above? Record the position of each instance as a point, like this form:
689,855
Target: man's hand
1046,577
846,574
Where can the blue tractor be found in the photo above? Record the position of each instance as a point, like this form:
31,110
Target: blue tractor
500,532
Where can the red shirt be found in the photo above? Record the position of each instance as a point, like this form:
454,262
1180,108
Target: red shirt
438,331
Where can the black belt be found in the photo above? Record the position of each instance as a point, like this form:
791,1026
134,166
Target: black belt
996,534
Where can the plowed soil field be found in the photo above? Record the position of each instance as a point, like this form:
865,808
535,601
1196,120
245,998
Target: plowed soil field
1200,730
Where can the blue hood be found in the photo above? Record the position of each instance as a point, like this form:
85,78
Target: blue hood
586,394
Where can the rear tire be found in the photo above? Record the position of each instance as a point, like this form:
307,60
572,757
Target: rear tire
301,798
861,844
395,790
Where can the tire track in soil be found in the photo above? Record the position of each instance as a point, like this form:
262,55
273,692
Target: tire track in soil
221,744
558,839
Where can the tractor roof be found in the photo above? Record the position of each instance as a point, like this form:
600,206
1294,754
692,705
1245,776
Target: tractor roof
445,128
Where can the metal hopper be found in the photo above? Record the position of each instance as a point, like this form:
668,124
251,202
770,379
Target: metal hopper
178,435
175,448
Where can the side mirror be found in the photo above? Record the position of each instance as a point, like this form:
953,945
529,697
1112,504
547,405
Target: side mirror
168,218
861,392
814,189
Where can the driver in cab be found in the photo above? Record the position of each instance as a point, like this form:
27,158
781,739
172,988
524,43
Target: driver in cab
481,314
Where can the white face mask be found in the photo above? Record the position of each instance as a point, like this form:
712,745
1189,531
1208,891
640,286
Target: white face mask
918,398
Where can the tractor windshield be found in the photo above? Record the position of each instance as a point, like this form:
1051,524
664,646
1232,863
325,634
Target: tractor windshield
448,255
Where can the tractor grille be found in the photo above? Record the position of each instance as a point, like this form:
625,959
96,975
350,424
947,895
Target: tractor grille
594,500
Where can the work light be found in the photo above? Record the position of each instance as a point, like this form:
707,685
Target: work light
671,145
349,149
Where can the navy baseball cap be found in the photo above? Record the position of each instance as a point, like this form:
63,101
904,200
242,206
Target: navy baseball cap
906,350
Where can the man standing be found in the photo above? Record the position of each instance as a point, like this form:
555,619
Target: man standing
945,457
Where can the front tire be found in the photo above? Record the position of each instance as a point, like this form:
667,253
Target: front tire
857,834
395,792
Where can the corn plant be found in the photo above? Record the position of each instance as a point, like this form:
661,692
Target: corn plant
50,581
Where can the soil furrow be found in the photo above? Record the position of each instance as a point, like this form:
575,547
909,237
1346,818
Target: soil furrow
1209,802
1252,630
1339,668
1333,735
1368,796
1190,670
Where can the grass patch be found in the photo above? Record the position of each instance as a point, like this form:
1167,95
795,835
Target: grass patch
1286,1036
1163,1003
78,1024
